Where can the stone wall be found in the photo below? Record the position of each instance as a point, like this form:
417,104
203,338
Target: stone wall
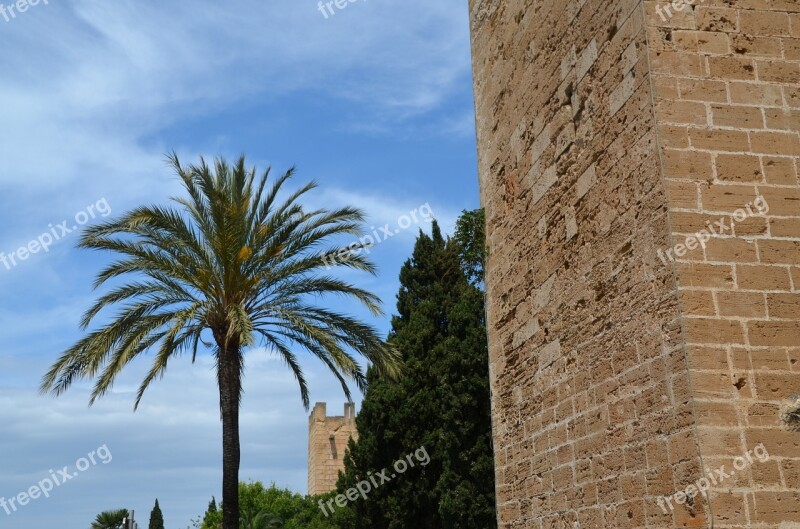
726,79
327,442
622,372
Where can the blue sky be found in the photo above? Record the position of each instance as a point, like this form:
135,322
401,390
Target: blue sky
375,103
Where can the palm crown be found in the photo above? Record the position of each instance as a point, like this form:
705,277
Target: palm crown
260,520
110,519
231,260
236,261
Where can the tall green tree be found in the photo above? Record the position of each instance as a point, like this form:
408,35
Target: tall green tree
233,260
442,404
110,519
156,517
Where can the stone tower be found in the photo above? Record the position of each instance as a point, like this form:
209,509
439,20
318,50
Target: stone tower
638,163
327,442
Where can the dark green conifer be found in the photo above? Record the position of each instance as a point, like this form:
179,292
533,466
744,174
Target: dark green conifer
441,408
156,518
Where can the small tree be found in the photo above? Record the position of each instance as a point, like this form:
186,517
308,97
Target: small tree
278,508
156,518
470,239
260,520
110,519
212,507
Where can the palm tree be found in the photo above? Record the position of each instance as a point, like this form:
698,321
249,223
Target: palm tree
261,520
233,260
110,519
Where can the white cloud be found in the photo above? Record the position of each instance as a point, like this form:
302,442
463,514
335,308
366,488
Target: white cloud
381,210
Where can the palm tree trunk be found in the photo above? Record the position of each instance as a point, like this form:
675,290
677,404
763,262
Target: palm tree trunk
230,385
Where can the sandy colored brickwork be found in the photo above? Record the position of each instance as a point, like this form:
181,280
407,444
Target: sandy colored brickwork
608,135
327,443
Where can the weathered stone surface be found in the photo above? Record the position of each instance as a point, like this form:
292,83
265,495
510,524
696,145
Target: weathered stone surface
327,442
630,349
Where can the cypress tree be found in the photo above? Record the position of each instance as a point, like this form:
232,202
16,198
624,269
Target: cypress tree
440,408
156,518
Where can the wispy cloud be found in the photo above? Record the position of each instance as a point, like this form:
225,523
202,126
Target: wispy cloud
93,78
